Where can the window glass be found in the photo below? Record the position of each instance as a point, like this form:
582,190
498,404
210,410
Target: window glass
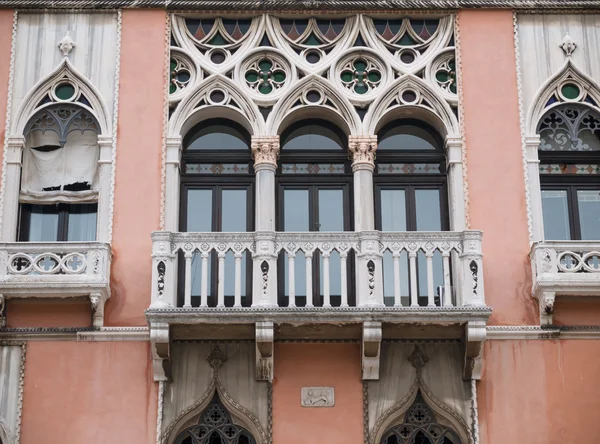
295,210
217,137
331,210
570,128
428,210
555,210
393,210
199,210
233,211
43,223
408,137
313,137
82,223
589,213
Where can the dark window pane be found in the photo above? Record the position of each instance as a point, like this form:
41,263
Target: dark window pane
233,211
43,223
428,210
295,210
589,213
393,210
199,210
217,137
331,210
313,137
82,222
408,137
555,210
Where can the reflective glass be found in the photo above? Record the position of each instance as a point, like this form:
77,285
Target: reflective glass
199,210
555,209
217,137
408,137
331,210
295,210
393,210
82,222
313,137
233,211
428,210
589,213
43,223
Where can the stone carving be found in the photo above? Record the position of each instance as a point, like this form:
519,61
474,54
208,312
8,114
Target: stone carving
2,308
66,44
418,359
474,268
265,150
216,359
317,397
568,45
362,149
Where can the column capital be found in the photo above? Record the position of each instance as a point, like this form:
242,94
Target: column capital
265,149
362,151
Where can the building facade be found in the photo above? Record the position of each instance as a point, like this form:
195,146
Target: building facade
288,222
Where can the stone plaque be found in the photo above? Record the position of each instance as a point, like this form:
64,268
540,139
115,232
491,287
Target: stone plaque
317,397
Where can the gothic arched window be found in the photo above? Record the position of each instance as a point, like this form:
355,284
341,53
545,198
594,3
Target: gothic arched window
215,427
569,154
217,196
59,179
420,427
411,195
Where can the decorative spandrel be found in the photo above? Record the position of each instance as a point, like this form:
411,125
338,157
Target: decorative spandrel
420,427
215,426
570,128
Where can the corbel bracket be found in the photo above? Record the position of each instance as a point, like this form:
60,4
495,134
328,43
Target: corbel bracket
371,350
2,311
546,303
265,335
475,334
161,351
97,300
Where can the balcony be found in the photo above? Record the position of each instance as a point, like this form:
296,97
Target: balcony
56,270
564,268
345,285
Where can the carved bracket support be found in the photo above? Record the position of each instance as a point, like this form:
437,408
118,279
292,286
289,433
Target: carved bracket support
98,300
475,335
265,335
371,350
2,311
546,303
161,351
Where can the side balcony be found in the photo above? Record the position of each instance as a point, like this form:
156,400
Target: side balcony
56,270
564,268
364,286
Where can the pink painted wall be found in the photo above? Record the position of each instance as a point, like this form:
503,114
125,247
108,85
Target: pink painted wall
313,365
51,313
497,202
6,22
139,171
99,393
569,311
540,392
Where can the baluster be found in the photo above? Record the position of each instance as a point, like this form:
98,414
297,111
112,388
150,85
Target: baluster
326,290
292,280
309,271
430,295
187,299
344,283
221,282
204,288
414,296
447,290
397,302
238,280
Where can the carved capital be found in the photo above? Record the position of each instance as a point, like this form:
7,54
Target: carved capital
362,150
265,150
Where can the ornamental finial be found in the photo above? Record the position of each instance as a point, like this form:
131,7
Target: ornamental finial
568,45
66,44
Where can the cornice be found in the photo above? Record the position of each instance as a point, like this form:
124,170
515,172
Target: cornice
75,334
304,5
527,332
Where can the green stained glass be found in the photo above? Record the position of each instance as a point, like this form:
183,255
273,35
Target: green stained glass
360,88
453,87
360,65
218,40
312,40
173,65
442,76
374,76
279,76
265,88
172,88
251,76
347,76
64,91
265,65
407,40
452,65
570,91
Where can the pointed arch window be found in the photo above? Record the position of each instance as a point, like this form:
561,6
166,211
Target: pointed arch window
59,179
569,155
420,426
217,196
411,195
215,426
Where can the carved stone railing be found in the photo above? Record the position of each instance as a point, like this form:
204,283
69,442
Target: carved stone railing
564,268
360,252
56,270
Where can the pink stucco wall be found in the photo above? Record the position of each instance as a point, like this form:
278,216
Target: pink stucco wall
99,393
314,365
138,175
497,202
48,313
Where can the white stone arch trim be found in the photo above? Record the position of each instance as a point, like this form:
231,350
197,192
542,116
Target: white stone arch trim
64,70
444,414
428,104
570,73
240,415
332,105
5,437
